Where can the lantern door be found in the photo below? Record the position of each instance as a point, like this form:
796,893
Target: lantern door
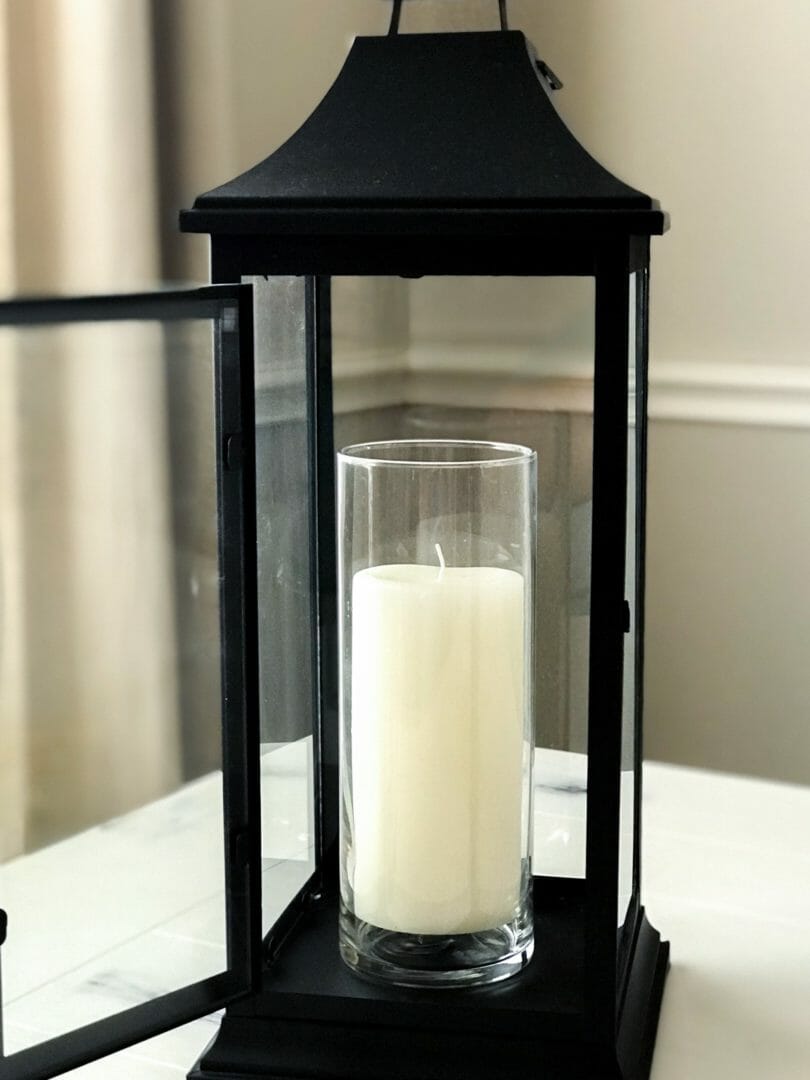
129,880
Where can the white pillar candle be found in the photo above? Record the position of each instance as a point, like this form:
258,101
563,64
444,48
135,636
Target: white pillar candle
437,696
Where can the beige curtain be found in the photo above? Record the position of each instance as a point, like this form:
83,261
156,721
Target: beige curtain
114,113
88,683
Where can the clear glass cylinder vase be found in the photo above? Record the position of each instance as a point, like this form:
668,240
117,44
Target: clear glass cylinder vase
436,557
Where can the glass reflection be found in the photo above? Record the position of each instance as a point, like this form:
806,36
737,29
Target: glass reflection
629,702
450,389
284,589
112,849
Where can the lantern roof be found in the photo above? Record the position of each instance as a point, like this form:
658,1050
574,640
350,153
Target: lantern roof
459,127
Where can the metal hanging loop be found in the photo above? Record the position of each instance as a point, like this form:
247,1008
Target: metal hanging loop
396,14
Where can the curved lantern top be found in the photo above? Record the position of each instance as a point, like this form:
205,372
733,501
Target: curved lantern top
458,128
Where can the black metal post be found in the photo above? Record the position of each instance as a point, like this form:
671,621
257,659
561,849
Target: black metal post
323,567
606,635
236,467
642,383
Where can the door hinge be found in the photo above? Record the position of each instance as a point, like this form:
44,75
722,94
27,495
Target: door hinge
233,452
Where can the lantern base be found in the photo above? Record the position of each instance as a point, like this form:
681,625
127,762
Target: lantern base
313,1018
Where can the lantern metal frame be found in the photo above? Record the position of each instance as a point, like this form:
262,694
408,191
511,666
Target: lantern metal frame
443,154
388,177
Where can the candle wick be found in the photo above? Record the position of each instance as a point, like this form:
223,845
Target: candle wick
440,555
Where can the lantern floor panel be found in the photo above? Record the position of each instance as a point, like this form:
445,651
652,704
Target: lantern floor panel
309,978
314,1018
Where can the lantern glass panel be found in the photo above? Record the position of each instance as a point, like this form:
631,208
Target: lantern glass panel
506,360
628,883
285,590
114,878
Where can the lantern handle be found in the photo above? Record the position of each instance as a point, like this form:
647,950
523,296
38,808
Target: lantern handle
393,27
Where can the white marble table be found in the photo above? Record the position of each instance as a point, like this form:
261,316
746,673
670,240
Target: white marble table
726,879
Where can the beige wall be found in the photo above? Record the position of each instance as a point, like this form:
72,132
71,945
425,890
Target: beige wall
728,680
242,76
703,105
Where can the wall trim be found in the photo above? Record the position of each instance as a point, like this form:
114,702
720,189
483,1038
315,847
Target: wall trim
725,392
499,376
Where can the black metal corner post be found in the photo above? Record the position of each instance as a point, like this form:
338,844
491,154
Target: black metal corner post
241,746
235,422
323,565
606,634
637,402
642,346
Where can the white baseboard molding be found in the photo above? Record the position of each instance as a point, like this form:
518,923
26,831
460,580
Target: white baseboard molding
510,377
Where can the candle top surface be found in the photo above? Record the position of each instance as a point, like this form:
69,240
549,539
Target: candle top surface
421,574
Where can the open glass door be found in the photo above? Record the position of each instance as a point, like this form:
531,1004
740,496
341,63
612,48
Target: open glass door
129,851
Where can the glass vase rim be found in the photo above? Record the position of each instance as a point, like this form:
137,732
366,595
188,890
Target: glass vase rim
512,454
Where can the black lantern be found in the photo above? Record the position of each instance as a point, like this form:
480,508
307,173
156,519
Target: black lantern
432,155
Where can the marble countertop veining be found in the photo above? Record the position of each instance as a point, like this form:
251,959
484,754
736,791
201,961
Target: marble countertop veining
726,878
